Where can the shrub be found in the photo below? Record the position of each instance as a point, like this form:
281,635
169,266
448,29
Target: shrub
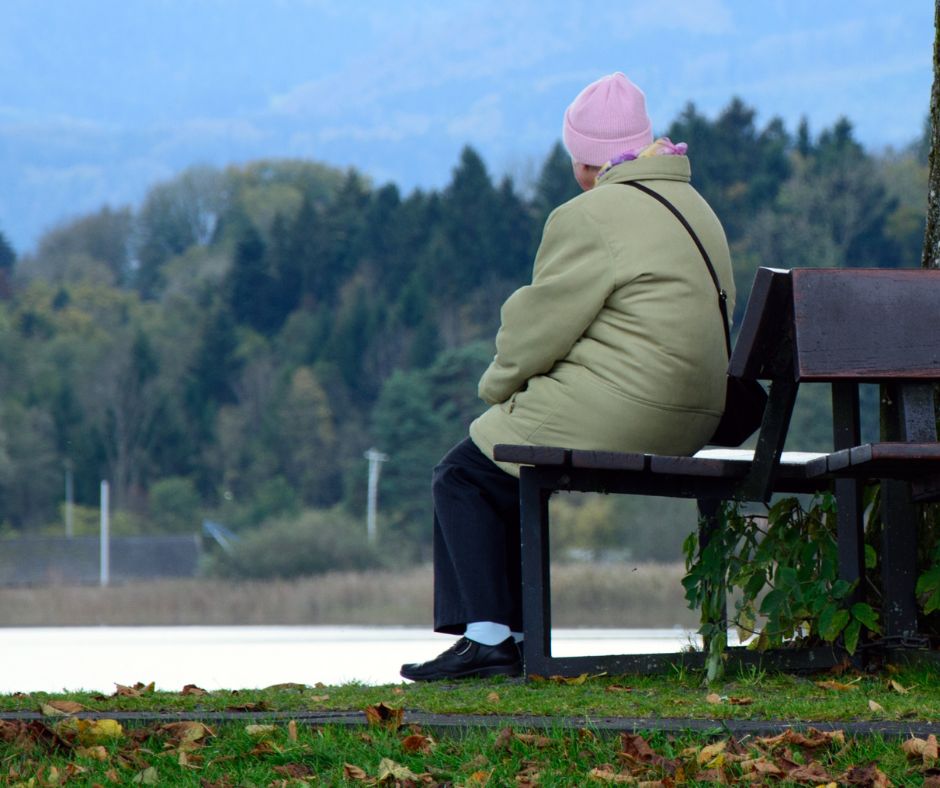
315,542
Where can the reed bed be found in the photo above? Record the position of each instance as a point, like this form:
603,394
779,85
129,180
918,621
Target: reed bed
583,595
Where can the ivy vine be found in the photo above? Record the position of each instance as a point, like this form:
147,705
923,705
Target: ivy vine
781,571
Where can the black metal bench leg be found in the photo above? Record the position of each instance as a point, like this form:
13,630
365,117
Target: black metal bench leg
536,586
898,561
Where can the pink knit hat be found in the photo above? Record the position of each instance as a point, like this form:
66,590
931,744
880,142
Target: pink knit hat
606,119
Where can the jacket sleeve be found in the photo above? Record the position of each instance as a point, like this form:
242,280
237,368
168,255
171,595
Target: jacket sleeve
572,278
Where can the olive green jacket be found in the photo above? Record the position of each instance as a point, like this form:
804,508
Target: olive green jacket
618,343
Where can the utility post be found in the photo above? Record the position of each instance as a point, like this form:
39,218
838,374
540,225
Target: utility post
375,458
104,563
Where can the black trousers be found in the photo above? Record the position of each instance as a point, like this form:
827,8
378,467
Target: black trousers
477,574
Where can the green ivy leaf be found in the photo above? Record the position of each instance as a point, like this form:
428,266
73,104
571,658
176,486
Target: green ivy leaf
864,613
851,636
871,557
772,602
834,624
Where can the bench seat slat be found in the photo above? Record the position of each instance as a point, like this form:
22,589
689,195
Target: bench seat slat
532,455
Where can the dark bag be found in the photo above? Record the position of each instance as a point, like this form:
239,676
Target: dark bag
744,399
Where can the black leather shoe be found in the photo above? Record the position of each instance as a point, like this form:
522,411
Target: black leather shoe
468,659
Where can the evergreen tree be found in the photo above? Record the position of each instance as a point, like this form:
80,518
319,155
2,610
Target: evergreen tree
555,185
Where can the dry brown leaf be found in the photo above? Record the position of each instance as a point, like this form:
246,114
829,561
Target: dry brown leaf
740,701
192,689
96,752
761,766
712,755
479,778
389,769
605,773
384,715
835,685
290,686
186,733
292,730
417,742
398,691
533,739
875,706
897,687
713,697
353,772
59,708
618,688
869,776
503,739
319,698
134,692
812,772
493,697
297,771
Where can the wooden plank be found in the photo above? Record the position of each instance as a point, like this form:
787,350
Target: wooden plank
866,324
609,460
532,455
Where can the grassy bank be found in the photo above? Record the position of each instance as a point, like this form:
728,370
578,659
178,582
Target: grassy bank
279,752
612,595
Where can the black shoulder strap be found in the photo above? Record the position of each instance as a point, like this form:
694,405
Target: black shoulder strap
722,295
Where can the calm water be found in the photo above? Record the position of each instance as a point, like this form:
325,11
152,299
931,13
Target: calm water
95,658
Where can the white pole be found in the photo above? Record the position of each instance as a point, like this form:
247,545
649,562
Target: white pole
105,542
374,456
69,502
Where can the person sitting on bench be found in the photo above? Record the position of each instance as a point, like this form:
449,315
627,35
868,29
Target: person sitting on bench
617,344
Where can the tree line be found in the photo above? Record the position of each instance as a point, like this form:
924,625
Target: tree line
232,347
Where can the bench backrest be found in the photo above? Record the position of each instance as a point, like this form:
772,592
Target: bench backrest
844,326
864,325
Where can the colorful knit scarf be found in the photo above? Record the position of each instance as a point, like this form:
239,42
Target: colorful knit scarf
661,147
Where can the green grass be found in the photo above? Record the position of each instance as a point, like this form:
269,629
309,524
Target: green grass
57,751
747,695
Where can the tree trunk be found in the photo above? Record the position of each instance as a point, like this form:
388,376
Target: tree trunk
931,258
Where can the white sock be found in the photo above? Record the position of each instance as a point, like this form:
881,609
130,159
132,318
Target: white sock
489,633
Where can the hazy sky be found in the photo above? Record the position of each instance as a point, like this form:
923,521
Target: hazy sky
101,99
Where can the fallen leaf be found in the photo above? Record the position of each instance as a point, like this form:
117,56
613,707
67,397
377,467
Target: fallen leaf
812,772
295,771
352,772
148,776
925,749
875,706
618,688
96,753
192,689
257,731
493,697
897,687
384,715
252,706
740,701
319,698
479,778
712,755
291,686
59,708
606,773
134,692
186,733
292,730
761,766
390,769
398,691
869,776
533,739
417,742
713,698
835,685
503,739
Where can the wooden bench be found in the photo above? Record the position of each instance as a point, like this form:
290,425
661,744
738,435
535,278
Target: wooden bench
841,327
